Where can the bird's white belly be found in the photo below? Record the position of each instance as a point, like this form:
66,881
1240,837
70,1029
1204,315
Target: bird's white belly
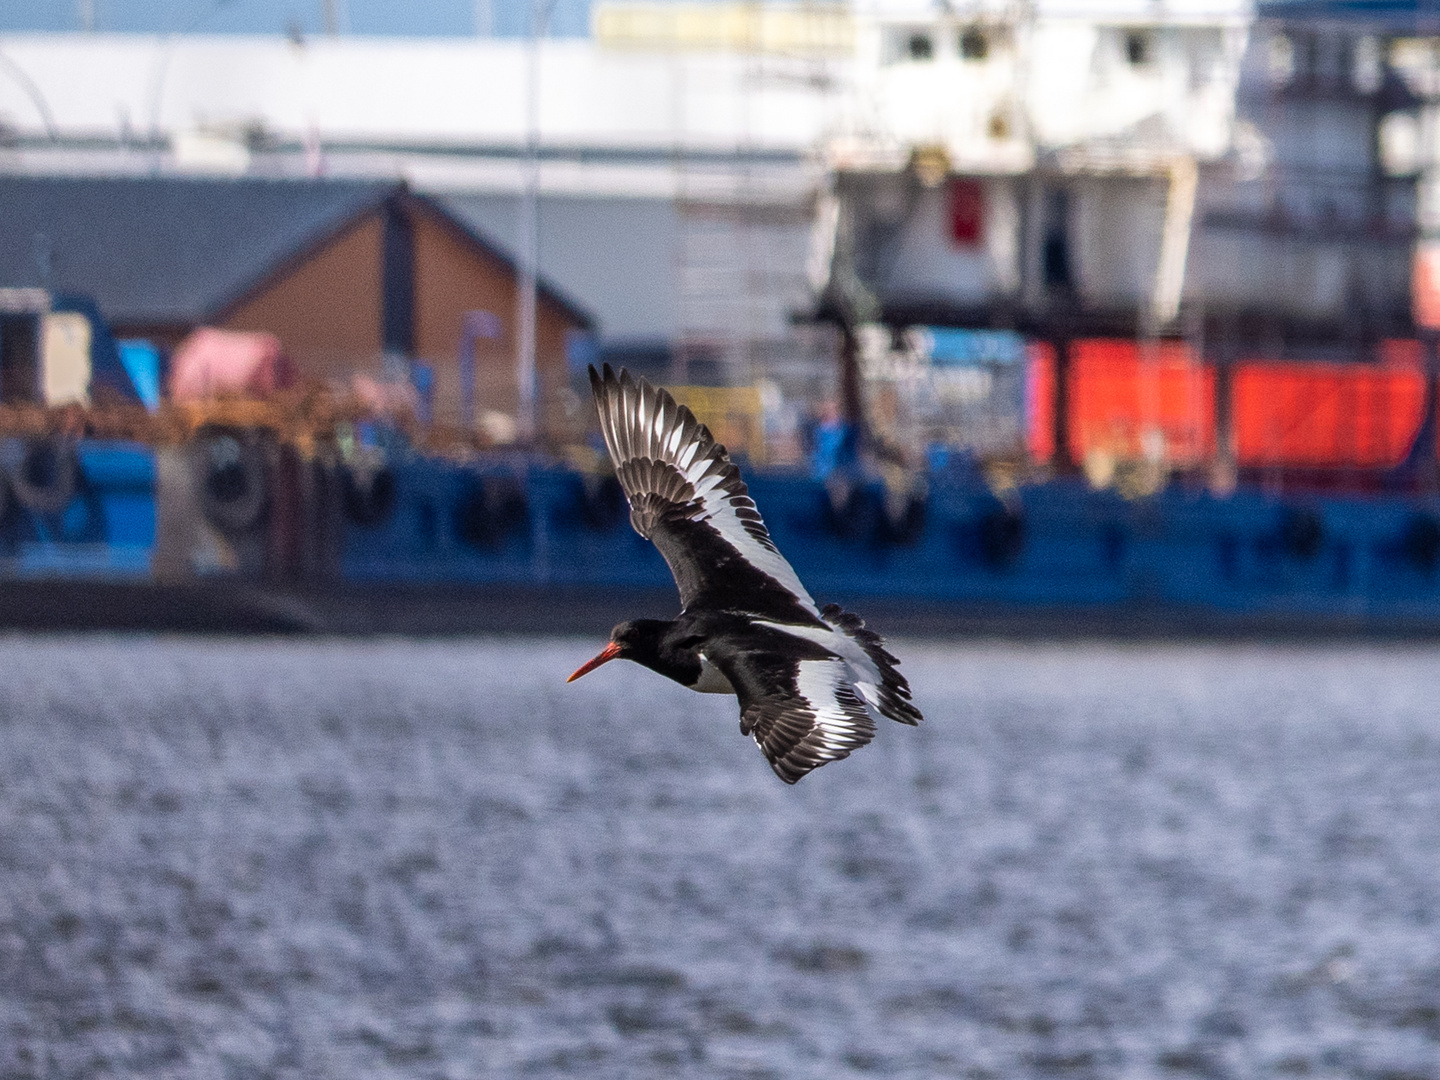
712,680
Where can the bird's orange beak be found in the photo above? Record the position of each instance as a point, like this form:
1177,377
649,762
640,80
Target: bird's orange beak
610,652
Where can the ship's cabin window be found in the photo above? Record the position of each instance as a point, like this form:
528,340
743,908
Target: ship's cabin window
19,358
974,44
1280,58
1306,51
1138,47
1367,65
919,46
1329,61
909,44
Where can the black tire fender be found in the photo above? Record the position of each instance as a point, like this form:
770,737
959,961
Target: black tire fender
904,517
603,506
490,511
47,477
847,508
232,480
369,492
1001,533
1420,542
1302,532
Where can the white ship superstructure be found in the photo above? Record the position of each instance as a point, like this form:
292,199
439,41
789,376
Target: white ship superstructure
999,84
1075,131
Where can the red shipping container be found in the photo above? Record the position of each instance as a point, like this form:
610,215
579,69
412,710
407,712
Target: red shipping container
1127,396
1040,401
1121,395
1329,415
1285,414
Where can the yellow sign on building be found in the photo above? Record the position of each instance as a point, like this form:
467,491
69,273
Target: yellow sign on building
734,415
791,29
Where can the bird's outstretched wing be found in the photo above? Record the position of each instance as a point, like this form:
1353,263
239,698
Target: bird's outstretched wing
687,498
801,712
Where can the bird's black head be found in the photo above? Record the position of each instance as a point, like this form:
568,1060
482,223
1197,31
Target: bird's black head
638,640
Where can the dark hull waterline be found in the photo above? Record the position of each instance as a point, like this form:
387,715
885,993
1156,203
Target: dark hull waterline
235,607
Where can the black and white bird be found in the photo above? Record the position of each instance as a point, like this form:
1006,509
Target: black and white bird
811,681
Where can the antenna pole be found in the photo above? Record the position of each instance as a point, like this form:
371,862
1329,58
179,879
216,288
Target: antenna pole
529,239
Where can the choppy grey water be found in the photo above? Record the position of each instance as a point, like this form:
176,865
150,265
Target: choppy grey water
399,859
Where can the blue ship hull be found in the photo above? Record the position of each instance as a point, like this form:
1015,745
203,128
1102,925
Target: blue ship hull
1055,555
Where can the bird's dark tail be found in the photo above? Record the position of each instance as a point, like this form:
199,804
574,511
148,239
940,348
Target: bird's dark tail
894,691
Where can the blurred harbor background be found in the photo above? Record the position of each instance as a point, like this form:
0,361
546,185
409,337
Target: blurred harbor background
1112,315
1071,322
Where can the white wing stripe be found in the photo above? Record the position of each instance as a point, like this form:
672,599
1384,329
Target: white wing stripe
818,682
862,669
642,422
705,485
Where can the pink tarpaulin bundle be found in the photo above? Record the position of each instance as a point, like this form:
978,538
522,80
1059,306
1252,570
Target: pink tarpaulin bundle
211,362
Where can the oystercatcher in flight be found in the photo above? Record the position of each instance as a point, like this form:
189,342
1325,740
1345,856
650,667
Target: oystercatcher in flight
810,680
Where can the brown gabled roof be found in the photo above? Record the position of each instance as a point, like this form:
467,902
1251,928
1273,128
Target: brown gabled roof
469,235
181,250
